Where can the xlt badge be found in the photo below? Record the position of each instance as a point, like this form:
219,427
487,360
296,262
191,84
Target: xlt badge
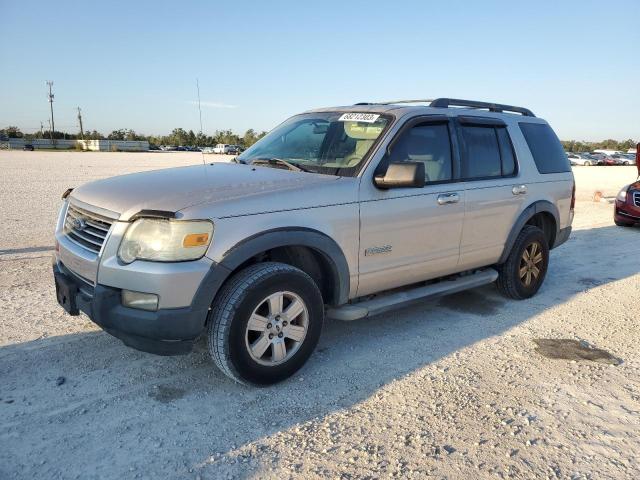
377,250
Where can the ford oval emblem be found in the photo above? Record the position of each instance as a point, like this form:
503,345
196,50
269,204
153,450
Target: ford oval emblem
79,224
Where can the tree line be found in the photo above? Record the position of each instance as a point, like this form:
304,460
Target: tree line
180,136
177,137
577,146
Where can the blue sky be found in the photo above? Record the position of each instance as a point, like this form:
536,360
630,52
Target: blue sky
134,64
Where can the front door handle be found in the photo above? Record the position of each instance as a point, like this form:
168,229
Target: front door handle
519,189
445,198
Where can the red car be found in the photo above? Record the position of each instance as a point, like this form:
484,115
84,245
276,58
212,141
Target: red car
627,209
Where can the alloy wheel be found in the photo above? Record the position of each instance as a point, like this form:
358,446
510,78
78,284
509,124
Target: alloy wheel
277,328
530,264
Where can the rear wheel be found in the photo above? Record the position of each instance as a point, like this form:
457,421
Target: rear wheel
522,275
265,323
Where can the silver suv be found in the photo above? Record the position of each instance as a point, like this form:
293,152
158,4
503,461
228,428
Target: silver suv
343,212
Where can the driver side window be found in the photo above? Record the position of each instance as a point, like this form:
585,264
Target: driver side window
429,144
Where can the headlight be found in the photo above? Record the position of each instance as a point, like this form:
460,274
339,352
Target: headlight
165,240
622,195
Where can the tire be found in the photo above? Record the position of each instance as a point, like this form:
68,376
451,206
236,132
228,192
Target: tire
510,282
587,163
235,344
626,164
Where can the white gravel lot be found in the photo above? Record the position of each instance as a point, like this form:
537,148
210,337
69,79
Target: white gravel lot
452,389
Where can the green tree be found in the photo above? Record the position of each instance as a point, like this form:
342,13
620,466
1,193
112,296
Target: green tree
11,132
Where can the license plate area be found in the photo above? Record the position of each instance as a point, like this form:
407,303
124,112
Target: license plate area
66,292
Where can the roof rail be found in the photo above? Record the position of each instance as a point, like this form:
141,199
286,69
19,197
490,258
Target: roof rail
492,107
392,102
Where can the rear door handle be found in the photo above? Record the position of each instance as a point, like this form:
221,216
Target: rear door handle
519,189
445,198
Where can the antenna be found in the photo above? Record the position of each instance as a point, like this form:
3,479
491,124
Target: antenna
200,111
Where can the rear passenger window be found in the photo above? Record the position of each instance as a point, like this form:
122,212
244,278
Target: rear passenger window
429,144
506,152
545,147
487,152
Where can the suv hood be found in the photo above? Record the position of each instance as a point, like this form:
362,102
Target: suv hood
175,189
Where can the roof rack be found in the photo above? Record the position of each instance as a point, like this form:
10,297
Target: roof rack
392,102
454,102
492,107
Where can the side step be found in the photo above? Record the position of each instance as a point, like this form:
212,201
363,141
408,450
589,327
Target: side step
384,303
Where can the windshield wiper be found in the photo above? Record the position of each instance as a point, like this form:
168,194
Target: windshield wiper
278,161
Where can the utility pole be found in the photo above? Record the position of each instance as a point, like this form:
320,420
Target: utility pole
53,125
50,131
41,132
80,120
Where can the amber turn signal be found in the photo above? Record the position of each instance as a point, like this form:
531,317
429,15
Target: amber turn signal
195,240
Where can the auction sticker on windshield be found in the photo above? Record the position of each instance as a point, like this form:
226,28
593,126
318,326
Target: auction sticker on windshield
359,117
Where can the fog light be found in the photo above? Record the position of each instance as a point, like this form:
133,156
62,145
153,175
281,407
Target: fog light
142,301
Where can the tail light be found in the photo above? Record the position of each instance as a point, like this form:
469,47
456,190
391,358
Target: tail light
573,197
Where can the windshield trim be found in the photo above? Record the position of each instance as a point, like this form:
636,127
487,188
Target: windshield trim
344,171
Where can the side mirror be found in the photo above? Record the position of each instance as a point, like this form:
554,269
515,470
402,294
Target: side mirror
401,175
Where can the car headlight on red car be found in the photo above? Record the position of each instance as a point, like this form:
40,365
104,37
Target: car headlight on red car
622,194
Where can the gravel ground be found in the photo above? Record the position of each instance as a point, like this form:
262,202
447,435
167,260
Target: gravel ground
453,389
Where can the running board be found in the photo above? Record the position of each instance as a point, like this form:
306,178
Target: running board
385,302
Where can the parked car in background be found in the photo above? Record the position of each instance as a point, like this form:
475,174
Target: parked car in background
28,148
626,212
599,157
612,160
581,159
222,148
234,150
625,158
208,150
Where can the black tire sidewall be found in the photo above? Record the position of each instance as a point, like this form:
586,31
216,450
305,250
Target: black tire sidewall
249,369
533,235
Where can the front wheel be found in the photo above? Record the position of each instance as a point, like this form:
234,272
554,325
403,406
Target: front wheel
265,323
522,275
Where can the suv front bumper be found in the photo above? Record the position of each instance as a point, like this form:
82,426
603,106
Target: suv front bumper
169,331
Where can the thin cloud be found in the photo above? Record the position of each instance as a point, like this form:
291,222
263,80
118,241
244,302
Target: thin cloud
213,104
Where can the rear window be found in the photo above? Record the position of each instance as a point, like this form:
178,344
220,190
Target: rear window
545,147
486,152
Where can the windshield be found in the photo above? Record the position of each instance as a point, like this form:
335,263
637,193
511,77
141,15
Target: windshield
329,142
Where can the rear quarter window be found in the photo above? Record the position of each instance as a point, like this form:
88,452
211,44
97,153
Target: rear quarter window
545,148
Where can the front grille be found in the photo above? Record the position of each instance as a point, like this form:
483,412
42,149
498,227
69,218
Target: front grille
86,229
636,199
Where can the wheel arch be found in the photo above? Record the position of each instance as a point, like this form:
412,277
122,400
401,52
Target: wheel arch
542,214
310,250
